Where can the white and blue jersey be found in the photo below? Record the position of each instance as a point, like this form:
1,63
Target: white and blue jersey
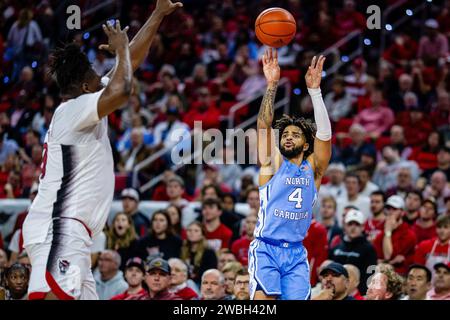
278,261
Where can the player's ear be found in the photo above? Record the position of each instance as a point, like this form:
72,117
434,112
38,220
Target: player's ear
305,146
85,87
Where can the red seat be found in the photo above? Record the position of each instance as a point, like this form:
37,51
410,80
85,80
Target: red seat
343,125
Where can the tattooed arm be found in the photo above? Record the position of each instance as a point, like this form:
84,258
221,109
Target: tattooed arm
269,157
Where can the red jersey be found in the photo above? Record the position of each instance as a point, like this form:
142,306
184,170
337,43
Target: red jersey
403,242
219,238
127,296
431,247
186,293
240,249
316,243
423,234
373,228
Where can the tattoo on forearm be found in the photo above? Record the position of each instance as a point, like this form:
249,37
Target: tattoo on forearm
266,110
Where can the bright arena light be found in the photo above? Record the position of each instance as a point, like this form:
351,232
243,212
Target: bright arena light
367,42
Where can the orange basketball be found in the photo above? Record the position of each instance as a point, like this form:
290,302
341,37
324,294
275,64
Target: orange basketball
275,27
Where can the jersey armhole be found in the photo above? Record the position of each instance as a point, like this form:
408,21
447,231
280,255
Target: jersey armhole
270,180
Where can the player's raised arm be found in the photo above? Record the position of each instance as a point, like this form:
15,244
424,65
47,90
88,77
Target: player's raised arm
140,44
118,90
269,156
322,142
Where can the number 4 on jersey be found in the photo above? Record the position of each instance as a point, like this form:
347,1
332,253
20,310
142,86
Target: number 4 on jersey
296,196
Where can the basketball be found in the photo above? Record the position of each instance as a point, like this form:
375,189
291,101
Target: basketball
275,27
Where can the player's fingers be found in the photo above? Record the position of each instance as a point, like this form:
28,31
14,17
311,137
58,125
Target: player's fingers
105,29
313,62
269,58
125,30
118,29
276,55
321,62
178,5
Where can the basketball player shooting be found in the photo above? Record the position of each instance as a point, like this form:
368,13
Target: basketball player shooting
77,181
289,180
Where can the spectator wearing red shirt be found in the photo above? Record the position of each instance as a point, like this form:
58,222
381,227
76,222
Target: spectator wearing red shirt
375,225
431,251
401,51
395,245
425,227
433,45
348,19
179,280
416,124
241,245
134,275
413,203
443,164
426,157
217,233
203,110
316,243
441,113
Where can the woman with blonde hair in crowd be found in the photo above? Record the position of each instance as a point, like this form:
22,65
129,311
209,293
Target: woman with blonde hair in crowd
122,237
196,253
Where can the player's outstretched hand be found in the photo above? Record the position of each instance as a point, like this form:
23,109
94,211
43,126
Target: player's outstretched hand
165,7
270,65
117,37
314,74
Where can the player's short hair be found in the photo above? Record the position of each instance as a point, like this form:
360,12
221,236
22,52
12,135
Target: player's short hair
308,128
70,67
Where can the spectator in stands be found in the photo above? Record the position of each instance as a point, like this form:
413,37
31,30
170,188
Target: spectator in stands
415,122
375,225
439,189
138,151
404,183
134,275
425,228
365,176
230,218
213,285
161,241
328,217
443,164
158,281
240,246
16,283
351,155
175,215
377,119
204,111
355,249
130,205
356,81
3,262
385,175
397,138
196,253
432,45
335,283
336,186
385,285
426,156
431,251
395,244
354,198
413,203
441,282
354,279
175,191
229,271
179,280
108,278
316,244
401,51
134,108
348,19
241,285
440,111
217,233
338,101
252,198
418,282
167,133
13,187
121,237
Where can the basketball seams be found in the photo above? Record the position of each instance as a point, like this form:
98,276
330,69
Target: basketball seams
276,35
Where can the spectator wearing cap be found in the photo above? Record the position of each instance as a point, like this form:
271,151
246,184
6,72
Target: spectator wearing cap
385,284
443,164
217,233
108,278
386,172
355,249
240,246
241,285
179,280
134,275
161,241
338,101
413,203
441,282
328,218
352,153
418,282
432,45
335,283
437,249
213,285
130,204
425,227
354,279
336,186
395,244
175,191
316,243
375,224
353,198
157,279
439,189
